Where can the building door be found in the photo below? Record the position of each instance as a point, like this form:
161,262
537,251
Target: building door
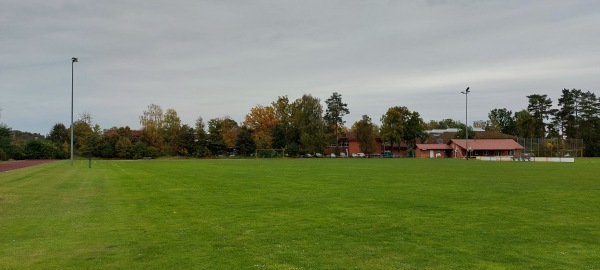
431,154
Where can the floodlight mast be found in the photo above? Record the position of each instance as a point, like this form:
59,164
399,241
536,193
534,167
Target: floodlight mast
73,60
466,93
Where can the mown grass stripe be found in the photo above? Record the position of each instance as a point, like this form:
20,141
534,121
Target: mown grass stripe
301,213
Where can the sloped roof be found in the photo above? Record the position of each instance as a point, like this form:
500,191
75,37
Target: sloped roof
446,137
451,130
492,135
432,146
489,144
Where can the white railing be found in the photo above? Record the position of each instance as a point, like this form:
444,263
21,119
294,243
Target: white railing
535,159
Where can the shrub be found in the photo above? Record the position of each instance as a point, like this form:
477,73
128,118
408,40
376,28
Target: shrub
40,149
3,155
152,151
17,152
292,149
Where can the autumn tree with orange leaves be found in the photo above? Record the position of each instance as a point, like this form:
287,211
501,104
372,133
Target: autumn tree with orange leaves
260,121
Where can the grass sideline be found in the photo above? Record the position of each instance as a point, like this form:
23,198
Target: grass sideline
301,214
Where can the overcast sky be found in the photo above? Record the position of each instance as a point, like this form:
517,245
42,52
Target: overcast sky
221,58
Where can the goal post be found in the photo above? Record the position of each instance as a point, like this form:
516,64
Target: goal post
269,153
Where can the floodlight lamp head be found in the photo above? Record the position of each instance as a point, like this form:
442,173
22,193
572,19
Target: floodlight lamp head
74,59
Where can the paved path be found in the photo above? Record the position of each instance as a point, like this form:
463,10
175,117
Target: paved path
13,165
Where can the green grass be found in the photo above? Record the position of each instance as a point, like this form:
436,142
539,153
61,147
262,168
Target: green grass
301,214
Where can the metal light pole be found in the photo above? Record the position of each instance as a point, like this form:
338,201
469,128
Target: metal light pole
466,93
73,60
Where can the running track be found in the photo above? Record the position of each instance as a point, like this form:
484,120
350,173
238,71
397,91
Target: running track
13,165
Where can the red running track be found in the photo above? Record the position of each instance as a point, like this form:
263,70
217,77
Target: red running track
14,165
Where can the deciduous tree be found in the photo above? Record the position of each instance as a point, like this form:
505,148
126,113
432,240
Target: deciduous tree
124,147
393,124
502,120
460,134
201,134
400,124
229,129
40,149
260,121
170,131
278,136
307,119
442,124
244,143
5,146
222,135
365,132
185,141
152,121
59,135
415,129
284,132
82,132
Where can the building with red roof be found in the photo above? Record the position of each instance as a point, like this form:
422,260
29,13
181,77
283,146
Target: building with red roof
457,148
432,150
349,145
485,148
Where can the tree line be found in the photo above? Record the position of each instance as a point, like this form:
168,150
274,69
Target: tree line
577,117
303,126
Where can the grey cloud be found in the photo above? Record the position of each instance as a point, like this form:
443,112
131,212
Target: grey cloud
216,58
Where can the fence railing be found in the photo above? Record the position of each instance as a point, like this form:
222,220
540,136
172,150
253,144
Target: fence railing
552,147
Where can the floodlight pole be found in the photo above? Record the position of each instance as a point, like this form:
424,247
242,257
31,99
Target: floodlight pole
466,93
73,60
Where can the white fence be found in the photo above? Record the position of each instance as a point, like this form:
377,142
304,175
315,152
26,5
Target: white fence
535,159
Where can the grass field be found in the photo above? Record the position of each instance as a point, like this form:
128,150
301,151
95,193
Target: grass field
301,214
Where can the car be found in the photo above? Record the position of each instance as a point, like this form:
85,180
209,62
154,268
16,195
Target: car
332,155
361,154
